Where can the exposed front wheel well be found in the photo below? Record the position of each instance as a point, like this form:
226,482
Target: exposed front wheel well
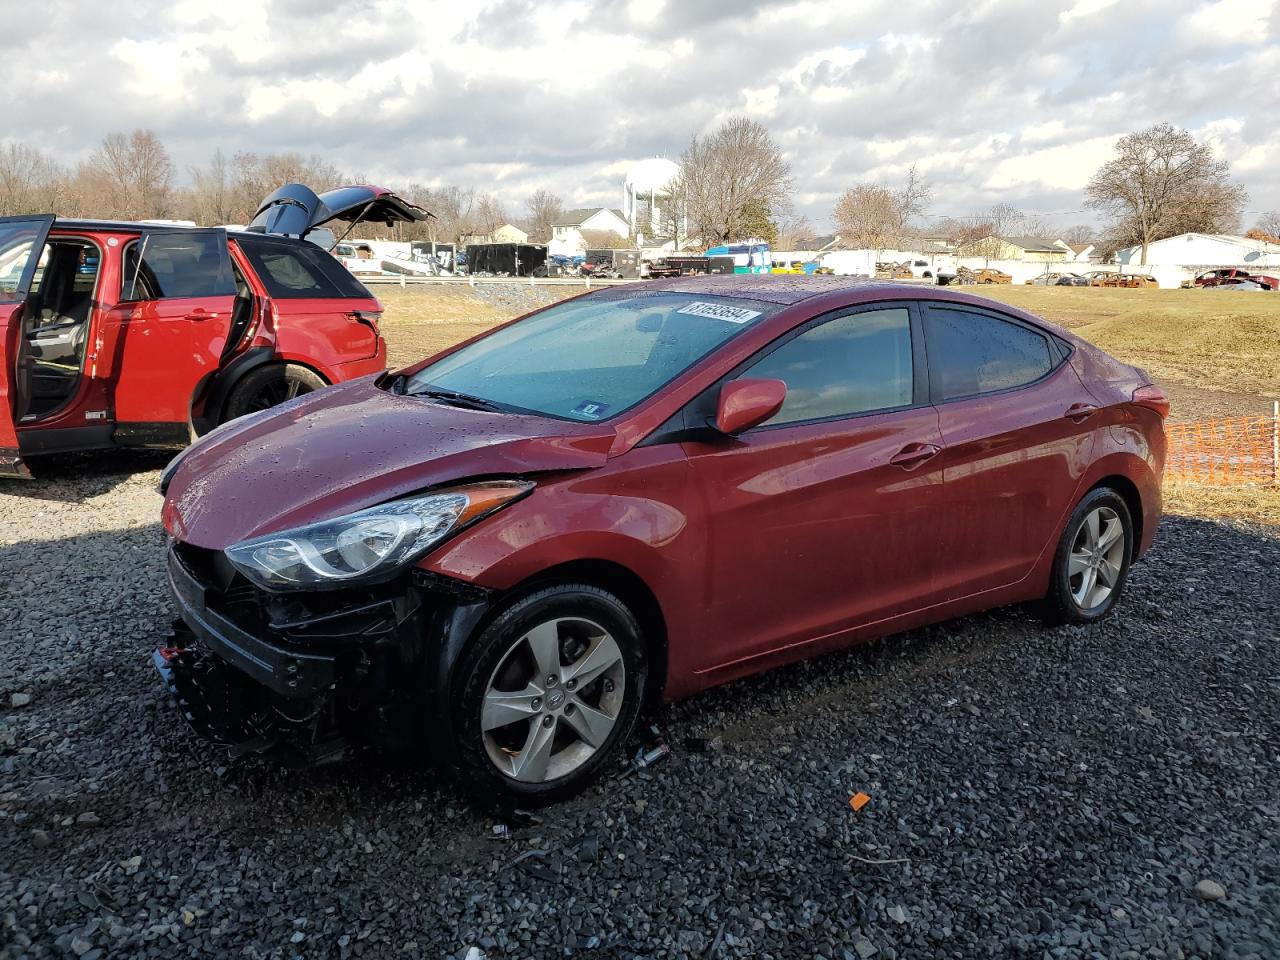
1132,499
627,587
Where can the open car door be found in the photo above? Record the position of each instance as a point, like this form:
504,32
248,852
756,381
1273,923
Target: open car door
170,327
295,210
22,242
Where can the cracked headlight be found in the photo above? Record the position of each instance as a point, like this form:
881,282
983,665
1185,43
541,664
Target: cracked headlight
368,545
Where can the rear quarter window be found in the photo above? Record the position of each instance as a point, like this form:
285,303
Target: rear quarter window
300,271
972,353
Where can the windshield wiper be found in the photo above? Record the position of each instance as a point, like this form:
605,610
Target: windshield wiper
456,399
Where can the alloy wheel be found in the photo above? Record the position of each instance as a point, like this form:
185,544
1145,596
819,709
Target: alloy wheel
1096,558
553,699
277,392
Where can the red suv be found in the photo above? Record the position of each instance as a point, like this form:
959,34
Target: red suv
502,552
120,334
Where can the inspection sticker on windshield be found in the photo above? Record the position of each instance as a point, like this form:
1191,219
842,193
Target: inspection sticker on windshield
592,409
719,311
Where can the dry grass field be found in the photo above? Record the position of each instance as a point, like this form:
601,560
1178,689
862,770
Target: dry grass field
1217,354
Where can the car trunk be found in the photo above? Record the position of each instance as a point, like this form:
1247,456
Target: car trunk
295,210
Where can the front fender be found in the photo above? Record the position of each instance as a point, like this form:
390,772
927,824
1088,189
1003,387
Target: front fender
641,516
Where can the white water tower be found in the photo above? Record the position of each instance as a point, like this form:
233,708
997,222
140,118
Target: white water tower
646,181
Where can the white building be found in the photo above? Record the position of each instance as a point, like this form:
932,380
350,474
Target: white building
503,233
566,232
1203,250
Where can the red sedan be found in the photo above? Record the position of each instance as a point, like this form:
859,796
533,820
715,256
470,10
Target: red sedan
120,334
508,549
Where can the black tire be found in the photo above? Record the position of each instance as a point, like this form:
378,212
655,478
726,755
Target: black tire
491,649
267,386
1060,604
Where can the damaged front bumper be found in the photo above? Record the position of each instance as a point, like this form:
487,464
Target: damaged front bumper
309,676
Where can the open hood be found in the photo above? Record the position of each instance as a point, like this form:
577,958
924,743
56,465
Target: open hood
295,209
353,446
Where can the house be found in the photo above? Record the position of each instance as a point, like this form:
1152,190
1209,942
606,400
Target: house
1084,252
815,243
567,229
1199,250
506,233
1033,249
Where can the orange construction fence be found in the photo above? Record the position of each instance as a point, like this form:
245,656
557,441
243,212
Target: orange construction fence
1225,452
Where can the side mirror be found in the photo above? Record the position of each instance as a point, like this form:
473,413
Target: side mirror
747,403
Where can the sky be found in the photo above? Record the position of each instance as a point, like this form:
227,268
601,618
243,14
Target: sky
1001,101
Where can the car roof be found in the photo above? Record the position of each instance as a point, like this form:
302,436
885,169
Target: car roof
135,226
771,288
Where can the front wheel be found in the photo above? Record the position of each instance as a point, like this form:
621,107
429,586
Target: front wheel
268,386
549,693
1091,563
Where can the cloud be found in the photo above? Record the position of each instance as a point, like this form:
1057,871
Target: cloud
1012,101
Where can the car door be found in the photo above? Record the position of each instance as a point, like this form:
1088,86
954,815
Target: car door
170,326
821,519
1017,430
22,241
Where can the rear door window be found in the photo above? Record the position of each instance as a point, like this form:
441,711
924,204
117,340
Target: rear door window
972,353
177,264
853,364
300,271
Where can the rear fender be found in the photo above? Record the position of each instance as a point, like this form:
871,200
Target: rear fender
211,396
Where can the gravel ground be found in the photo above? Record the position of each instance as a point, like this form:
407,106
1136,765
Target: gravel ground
1108,791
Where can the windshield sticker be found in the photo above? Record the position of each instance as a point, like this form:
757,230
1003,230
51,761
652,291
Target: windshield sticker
592,409
719,311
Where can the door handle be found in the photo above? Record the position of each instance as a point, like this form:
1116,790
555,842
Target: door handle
914,454
1079,412
200,313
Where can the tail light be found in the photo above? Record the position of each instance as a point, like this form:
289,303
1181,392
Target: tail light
368,317
1153,398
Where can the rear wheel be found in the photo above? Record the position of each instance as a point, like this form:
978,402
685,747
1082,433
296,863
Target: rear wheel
549,693
268,386
1092,560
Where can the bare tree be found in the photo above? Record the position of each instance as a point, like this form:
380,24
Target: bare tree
254,176
871,216
129,176
30,181
721,173
1163,182
867,217
1080,233
984,235
210,194
792,228
543,207
1269,223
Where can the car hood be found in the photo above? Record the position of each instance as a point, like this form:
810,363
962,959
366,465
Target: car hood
354,446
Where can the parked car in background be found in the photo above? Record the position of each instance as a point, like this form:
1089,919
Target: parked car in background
125,334
991,275
1130,281
1214,278
1247,285
359,259
639,493
1072,280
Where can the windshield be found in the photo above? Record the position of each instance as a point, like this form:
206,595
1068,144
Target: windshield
594,357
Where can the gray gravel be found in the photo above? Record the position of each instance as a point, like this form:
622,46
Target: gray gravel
1104,792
